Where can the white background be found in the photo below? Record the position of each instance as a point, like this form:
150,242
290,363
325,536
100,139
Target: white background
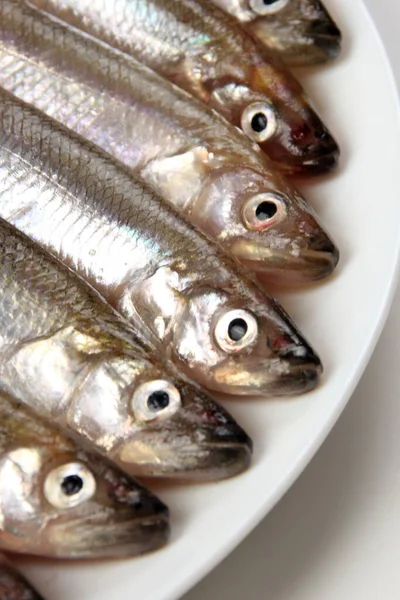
336,534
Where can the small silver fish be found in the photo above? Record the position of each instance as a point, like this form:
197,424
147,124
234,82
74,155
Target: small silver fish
59,501
13,586
302,32
190,155
206,52
192,304
67,355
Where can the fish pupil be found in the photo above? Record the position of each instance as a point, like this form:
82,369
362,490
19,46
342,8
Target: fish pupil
269,2
72,485
237,329
259,122
266,210
158,400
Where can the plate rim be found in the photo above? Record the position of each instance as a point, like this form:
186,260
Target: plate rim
190,577
190,580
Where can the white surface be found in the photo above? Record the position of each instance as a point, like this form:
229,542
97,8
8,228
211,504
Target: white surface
342,318
336,534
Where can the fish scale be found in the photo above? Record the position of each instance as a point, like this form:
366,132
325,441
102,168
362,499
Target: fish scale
203,50
188,154
149,264
62,158
66,354
38,517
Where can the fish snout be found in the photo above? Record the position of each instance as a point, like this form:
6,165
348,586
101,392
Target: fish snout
320,154
319,259
131,537
327,37
296,350
305,368
299,366
224,445
303,358
144,521
305,261
232,435
231,451
137,499
330,46
326,27
325,34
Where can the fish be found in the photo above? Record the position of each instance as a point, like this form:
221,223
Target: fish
193,158
12,585
58,500
195,307
302,32
203,50
69,357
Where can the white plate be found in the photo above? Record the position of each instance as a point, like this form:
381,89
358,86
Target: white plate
343,318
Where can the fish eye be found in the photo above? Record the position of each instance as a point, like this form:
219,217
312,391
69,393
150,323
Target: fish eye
235,330
264,211
155,400
259,121
267,7
69,485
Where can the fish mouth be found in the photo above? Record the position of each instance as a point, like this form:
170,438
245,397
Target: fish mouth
300,380
130,539
326,36
99,539
279,377
322,163
226,460
230,451
288,267
329,44
196,462
317,154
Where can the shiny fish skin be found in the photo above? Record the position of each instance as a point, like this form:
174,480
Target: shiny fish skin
302,32
67,355
204,51
13,586
150,265
111,515
191,156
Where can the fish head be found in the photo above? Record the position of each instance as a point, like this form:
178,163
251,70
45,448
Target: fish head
265,100
243,347
182,434
152,423
301,31
75,505
263,221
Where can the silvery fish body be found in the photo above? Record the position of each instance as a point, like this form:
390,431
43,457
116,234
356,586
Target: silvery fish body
58,500
302,32
189,301
13,586
203,50
190,155
67,355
